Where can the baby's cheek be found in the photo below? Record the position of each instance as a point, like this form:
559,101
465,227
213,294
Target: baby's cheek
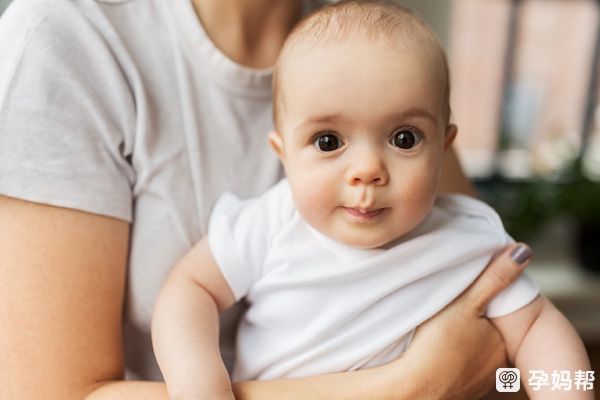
314,196
419,193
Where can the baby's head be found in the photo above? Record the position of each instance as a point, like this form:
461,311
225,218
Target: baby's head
361,108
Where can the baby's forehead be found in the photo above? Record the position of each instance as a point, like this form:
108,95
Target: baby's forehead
318,59
306,48
350,22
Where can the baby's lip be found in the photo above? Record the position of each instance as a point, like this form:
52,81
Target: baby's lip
364,214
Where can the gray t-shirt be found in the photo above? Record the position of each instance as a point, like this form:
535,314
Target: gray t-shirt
125,108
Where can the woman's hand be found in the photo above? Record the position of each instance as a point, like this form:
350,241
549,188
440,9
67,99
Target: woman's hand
456,353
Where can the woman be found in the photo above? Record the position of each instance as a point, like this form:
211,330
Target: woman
121,122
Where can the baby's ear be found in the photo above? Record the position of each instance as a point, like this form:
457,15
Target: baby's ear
451,131
276,142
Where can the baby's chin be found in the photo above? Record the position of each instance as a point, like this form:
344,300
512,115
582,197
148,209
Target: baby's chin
367,240
370,237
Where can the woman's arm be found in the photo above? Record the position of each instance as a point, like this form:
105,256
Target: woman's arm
62,277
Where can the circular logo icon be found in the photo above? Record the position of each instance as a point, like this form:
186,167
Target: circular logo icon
508,380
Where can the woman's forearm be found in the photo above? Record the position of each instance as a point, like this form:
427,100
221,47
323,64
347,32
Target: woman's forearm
129,390
375,384
399,380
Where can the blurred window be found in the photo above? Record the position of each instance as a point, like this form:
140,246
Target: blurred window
522,79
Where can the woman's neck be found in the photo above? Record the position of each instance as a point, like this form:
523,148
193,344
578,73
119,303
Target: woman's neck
250,32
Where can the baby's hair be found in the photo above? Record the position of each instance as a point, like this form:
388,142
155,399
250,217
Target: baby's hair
369,18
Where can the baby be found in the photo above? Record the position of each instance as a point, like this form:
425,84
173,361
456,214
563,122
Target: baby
341,262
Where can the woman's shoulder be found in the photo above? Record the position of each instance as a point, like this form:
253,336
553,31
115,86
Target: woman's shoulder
24,21
43,31
25,18
60,23
28,12
65,45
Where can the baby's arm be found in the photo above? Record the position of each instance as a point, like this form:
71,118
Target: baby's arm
185,328
539,337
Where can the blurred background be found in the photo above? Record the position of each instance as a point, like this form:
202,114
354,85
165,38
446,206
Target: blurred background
525,77
3,4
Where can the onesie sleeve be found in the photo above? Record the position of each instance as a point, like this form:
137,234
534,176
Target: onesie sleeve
522,292
65,112
240,233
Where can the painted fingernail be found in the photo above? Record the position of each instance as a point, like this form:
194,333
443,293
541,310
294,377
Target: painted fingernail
521,254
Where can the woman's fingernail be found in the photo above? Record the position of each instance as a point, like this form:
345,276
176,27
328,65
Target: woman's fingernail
521,254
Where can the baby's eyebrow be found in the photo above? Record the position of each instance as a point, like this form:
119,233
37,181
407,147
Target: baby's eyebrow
414,112
418,112
319,120
327,118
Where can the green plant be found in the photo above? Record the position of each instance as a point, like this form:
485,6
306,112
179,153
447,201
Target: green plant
525,206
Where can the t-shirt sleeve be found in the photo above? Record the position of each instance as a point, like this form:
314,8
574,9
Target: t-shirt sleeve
522,292
240,232
66,112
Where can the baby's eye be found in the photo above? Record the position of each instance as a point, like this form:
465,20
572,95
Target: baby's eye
405,139
327,142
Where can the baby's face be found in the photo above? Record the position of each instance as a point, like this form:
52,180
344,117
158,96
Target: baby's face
363,131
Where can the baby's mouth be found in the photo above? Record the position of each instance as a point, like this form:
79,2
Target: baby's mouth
364,214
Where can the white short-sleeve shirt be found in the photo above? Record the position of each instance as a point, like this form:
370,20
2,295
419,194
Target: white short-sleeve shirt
318,306
125,108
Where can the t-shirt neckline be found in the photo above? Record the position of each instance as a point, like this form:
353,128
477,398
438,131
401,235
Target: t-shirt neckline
222,69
